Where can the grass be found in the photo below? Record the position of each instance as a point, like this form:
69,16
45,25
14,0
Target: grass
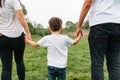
78,67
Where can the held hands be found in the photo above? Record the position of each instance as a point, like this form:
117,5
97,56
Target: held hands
27,40
0,34
32,43
28,36
79,33
78,36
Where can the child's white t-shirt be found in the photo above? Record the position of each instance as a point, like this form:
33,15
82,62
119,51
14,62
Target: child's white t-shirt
57,46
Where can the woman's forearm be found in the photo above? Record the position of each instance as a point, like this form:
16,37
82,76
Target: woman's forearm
21,17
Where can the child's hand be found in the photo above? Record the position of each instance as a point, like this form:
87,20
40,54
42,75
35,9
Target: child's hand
28,41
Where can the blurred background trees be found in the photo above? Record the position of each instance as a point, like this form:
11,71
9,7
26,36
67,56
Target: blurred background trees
39,29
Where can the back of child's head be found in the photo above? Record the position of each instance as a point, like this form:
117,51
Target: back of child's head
55,24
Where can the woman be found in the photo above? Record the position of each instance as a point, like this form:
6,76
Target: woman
104,36
12,28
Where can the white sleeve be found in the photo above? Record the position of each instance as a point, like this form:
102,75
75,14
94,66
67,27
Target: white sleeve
68,41
43,41
16,5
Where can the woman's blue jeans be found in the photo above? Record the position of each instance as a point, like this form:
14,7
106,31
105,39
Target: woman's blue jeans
104,43
55,73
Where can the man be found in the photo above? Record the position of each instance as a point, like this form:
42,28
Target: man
104,36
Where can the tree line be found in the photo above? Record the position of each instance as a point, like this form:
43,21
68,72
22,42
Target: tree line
41,31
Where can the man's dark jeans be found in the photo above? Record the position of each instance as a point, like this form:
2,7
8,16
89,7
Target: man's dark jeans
104,41
54,73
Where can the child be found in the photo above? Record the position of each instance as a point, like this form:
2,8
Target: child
57,46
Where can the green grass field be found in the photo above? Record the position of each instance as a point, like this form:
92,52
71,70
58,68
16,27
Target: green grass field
78,67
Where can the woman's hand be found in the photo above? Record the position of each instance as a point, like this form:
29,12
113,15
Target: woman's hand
27,40
28,36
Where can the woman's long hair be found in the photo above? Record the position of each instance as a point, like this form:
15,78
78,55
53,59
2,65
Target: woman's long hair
0,3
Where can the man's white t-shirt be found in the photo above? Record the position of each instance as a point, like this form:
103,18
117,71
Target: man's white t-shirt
104,11
9,23
57,46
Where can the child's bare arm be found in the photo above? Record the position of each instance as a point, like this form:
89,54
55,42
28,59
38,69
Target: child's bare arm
34,44
77,39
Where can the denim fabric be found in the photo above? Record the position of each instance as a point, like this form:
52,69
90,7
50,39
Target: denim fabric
104,43
55,73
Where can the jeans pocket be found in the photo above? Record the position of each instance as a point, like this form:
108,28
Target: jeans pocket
62,70
51,69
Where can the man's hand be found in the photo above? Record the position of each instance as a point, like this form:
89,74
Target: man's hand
0,34
79,32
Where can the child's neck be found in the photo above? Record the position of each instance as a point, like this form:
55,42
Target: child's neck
56,33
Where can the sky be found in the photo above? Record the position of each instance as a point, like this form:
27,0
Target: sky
40,11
